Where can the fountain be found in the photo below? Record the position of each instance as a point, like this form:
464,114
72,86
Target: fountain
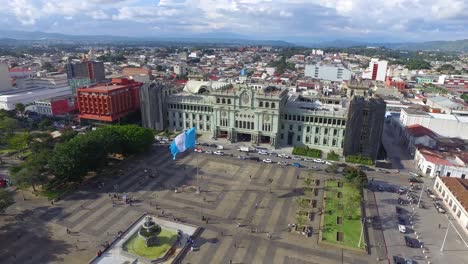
150,231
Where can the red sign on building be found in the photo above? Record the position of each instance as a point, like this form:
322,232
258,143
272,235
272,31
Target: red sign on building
109,102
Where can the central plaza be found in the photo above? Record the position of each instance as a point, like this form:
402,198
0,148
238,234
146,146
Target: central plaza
243,212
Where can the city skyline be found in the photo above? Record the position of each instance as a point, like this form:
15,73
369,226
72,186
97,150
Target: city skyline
293,21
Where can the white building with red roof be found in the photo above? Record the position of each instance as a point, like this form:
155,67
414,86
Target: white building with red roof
437,163
454,194
419,136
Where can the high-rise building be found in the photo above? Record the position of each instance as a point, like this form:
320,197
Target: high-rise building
330,72
152,105
94,70
180,69
364,128
109,102
5,82
377,70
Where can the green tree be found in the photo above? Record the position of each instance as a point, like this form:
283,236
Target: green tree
5,199
8,125
20,108
464,97
47,66
351,205
67,134
19,141
136,139
32,171
45,124
446,68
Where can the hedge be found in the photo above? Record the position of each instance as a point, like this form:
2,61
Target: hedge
359,160
306,151
333,156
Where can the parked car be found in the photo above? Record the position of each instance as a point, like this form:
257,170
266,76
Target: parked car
241,157
319,161
205,144
220,147
262,152
398,260
410,261
439,208
282,163
209,152
399,210
199,150
410,242
402,229
401,220
296,158
414,180
254,158
267,160
296,164
429,192
213,145
402,190
219,153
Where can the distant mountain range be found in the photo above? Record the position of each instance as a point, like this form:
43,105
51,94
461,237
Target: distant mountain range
12,37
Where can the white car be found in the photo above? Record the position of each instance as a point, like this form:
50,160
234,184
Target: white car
328,163
402,229
296,158
208,152
267,160
282,163
262,152
319,161
220,153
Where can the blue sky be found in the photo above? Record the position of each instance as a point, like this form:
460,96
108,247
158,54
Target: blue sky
294,20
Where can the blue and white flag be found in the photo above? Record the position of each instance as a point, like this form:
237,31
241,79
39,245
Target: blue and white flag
183,141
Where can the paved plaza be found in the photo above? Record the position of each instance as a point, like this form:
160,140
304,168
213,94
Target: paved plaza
246,222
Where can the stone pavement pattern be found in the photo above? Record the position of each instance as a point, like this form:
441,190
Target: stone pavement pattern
233,192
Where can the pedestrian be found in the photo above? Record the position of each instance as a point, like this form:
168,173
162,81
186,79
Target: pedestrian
439,226
235,245
162,212
230,261
256,205
222,233
250,176
297,176
81,206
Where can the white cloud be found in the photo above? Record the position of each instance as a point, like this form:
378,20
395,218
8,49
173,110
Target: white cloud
274,17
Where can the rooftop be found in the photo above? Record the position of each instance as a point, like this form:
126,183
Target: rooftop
459,189
417,130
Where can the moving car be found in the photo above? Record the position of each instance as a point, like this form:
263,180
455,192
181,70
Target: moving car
220,153
267,160
402,229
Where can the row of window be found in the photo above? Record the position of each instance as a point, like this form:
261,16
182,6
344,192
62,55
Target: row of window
314,119
191,107
451,203
325,130
267,104
223,101
318,141
244,124
199,126
193,116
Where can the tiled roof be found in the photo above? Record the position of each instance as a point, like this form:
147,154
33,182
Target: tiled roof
417,130
459,188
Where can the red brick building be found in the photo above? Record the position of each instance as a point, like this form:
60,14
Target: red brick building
109,102
56,106
129,71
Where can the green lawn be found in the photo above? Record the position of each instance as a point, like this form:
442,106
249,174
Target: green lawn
136,245
351,228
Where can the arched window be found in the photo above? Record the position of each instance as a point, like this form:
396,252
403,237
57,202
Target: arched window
217,100
224,101
260,104
267,104
273,105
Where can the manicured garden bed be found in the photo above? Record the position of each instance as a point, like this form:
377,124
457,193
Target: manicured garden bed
347,209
